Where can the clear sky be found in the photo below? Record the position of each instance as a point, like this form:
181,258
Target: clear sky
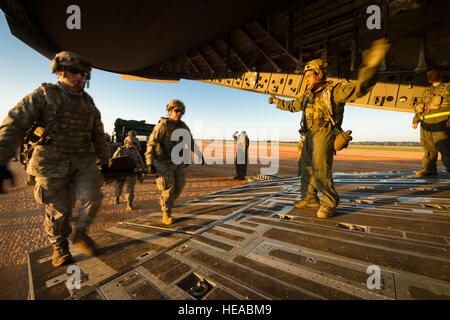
211,111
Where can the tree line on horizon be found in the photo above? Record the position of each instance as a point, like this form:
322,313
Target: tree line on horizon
361,143
388,143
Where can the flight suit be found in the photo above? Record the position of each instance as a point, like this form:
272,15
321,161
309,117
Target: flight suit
299,156
171,177
130,180
324,111
434,131
241,159
64,163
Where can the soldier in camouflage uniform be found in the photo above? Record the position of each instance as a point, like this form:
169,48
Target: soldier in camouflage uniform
433,113
132,134
323,106
161,153
64,158
128,150
241,159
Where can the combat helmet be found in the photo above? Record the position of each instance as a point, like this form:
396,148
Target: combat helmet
176,103
66,59
318,66
131,139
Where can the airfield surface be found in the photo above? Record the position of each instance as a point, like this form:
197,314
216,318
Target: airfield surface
21,219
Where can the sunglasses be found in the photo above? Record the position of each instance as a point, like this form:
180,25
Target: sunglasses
178,111
76,71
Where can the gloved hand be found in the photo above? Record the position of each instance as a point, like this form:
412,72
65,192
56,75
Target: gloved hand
372,57
151,169
5,175
272,99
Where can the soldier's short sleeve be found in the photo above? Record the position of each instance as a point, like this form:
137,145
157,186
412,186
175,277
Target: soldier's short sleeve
18,121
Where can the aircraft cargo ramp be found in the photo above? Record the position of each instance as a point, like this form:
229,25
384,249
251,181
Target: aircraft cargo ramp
249,242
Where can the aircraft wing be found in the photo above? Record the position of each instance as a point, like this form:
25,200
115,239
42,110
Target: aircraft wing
260,46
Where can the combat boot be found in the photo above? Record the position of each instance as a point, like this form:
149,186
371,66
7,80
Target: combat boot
84,243
166,218
130,206
61,256
326,212
424,172
306,204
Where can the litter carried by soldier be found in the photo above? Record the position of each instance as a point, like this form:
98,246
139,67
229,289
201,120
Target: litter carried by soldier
171,176
323,104
71,138
433,114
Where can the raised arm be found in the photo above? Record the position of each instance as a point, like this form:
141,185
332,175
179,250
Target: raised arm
367,74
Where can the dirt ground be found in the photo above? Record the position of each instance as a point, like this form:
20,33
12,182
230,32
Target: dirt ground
21,219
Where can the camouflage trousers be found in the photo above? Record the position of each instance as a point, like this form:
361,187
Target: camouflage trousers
435,138
130,183
170,181
57,193
316,168
299,158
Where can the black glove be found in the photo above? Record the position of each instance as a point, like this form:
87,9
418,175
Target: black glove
151,169
5,175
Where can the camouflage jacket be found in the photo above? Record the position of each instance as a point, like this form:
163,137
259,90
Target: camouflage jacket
132,153
324,107
434,100
70,124
160,144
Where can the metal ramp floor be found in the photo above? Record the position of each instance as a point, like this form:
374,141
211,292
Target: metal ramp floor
249,242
